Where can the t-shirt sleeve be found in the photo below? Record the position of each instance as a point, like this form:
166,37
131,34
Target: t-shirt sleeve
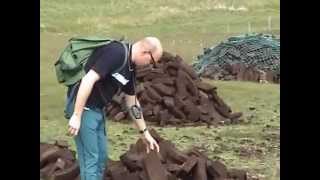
129,88
109,59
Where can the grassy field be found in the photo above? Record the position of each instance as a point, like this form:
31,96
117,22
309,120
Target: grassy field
185,28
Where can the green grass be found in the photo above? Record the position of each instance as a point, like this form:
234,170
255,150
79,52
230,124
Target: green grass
112,15
258,134
185,27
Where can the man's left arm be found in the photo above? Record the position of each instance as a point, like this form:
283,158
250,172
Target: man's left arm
139,122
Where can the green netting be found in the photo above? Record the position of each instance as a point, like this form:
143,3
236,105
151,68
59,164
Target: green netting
257,50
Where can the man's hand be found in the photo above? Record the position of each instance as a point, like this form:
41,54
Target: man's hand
74,125
150,142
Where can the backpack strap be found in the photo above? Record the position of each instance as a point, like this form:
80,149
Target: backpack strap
117,70
71,99
125,59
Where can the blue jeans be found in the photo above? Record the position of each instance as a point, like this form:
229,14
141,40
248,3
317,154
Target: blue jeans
91,143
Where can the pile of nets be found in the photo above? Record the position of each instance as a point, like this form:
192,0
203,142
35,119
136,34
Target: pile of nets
250,57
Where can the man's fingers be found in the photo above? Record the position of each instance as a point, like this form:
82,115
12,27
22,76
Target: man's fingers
148,149
151,145
157,147
69,130
72,131
76,133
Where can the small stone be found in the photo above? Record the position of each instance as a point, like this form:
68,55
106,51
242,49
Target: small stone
251,108
227,121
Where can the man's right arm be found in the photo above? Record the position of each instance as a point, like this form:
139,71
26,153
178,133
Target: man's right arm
84,91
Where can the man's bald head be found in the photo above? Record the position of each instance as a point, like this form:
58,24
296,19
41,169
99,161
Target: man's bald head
143,49
153,45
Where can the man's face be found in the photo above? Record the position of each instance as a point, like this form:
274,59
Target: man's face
144,58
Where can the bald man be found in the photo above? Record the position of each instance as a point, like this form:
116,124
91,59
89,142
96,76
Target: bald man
96,89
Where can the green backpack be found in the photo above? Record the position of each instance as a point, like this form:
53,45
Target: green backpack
70,65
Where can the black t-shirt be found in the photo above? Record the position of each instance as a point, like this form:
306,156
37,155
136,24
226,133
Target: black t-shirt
104,61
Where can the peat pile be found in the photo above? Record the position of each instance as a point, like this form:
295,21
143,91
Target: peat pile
58,163
172,93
